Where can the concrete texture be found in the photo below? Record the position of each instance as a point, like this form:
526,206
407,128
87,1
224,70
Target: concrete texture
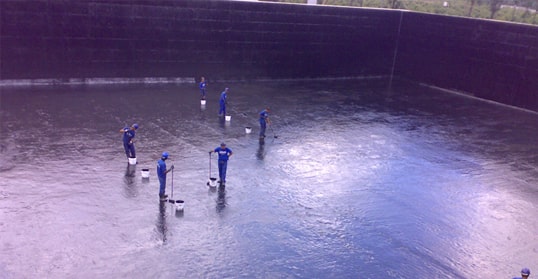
361,182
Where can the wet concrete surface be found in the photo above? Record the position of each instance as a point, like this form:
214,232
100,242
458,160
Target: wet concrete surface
353,181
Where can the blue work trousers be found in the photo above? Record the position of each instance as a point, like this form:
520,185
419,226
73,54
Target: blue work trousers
162,185
129,149
223,165
222,110
263,125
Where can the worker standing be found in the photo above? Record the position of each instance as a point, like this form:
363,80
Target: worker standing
224,154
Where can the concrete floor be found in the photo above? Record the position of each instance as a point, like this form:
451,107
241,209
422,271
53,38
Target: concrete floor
353,181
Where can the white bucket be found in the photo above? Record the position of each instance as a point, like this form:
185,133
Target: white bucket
228,117
212,182
248,130
132,161
180,205
202,102
145,173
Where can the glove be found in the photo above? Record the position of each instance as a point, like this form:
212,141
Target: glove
172,167
210,152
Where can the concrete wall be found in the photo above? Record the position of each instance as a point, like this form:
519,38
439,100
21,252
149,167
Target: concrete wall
489,59
189,38
63,39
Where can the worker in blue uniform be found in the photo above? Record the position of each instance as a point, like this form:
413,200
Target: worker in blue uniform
128,140
223,102
161,173
264,120
224,154
525,273
203,85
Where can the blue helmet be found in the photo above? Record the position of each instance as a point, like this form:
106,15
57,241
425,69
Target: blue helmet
165,155
135,126
525,271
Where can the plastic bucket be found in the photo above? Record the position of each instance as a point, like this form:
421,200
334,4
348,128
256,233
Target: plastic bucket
212,182
228,117
248,130
180,205
145,173
132,161
202,102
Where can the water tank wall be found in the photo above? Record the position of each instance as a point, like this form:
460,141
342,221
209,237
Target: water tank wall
189,38
59,39
489,59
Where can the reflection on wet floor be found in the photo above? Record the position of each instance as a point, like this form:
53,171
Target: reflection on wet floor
221,198
351,179
162,227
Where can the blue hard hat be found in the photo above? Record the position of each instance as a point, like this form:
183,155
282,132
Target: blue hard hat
135,126
525,271
165,155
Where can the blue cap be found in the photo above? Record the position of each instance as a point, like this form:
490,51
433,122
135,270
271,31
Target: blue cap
135,126
525,271
222,144
165,155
